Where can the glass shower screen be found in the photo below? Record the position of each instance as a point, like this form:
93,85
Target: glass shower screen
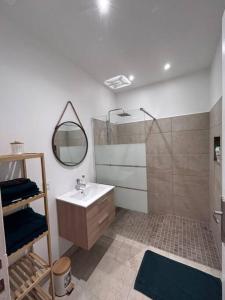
120,156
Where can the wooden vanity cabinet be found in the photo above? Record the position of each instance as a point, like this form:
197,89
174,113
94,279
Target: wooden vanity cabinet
84,226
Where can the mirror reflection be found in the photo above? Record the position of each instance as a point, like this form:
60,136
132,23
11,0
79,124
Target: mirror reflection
70,143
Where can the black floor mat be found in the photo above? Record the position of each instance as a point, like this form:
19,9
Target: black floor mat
161,278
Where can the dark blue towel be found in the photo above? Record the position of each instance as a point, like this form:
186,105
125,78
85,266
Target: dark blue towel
22,227
13,182
17,189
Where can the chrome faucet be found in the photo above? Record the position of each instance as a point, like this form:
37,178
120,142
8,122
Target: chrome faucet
80,185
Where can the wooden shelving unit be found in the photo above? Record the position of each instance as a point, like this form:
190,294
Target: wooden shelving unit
38,293
7,209
17,157
29,245
28,272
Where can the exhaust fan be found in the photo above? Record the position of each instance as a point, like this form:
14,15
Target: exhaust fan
118,82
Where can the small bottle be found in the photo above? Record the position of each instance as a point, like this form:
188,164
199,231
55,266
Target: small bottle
83,180
218,154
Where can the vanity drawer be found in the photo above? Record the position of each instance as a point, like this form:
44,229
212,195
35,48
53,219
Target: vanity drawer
99,206
102,222
99,217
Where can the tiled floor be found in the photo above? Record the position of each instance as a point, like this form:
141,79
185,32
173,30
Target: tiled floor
109,269
181,236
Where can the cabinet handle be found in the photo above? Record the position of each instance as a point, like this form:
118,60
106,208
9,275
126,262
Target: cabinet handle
101,221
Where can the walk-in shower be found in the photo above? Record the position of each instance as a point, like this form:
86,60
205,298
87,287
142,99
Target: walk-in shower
123,114
120,155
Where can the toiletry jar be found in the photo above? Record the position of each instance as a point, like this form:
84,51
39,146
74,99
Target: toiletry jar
17,147
62,276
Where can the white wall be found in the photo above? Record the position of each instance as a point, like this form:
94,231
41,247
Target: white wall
216,76
223,145
35,84
180,96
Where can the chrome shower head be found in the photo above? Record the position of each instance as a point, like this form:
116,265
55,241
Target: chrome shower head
124,114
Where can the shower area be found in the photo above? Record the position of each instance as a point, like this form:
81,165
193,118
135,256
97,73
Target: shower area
165,187
120,156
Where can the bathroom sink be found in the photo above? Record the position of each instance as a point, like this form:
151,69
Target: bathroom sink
91,193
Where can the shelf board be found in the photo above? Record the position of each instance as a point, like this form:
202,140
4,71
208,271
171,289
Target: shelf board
20,203
26,274
14,157
38,293
28,246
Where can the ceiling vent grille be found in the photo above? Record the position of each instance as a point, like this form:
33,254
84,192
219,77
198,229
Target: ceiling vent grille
118,82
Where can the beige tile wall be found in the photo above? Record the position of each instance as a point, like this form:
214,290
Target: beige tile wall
131,133
69,138
178,169
177,152
100,132
215,173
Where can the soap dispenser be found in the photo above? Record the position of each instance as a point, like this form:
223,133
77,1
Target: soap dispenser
83,180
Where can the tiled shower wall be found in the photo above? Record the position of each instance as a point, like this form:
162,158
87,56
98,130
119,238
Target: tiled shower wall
215,174
178,168
177,151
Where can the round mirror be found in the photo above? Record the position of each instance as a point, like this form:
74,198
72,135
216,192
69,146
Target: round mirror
70,143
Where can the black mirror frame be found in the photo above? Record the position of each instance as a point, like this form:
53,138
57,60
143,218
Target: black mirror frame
54,147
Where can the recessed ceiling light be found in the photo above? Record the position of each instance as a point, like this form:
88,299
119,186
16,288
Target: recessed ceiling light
167,66
118,82
104,6
131,77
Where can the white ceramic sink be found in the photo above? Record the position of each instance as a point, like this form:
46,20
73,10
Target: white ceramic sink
86,197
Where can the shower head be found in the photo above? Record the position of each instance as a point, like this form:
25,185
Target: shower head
124,114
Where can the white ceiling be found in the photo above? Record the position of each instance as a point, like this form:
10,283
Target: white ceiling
137,37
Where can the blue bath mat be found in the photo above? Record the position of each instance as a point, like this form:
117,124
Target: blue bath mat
161,278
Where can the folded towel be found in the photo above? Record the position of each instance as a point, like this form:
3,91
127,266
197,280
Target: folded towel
26,195
17,189
13,182
22,227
